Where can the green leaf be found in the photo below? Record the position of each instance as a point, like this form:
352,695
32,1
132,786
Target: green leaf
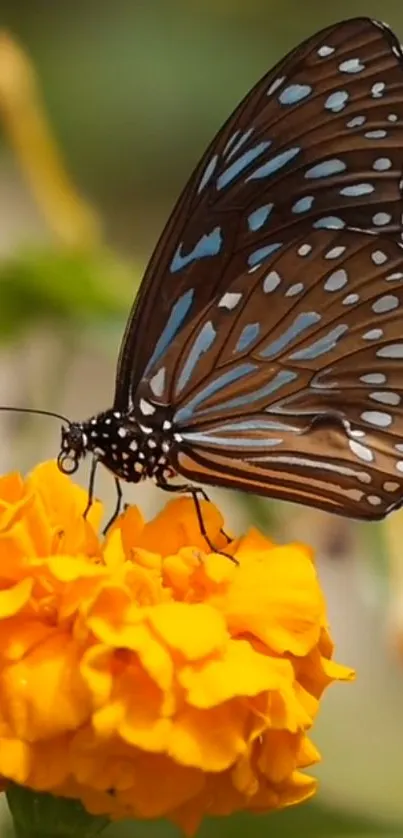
57,287
41,815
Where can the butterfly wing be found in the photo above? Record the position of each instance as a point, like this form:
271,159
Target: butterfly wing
317,143
290,384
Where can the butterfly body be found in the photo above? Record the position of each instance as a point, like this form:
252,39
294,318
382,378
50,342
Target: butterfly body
264,351
130,450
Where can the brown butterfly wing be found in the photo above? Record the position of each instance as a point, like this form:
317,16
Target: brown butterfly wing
290,383
317,143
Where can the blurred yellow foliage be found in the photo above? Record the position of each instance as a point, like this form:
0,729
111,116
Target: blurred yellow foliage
28,131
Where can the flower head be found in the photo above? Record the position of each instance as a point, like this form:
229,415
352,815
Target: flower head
145,675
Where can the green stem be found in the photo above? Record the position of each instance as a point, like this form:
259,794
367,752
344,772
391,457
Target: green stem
24,832
41,815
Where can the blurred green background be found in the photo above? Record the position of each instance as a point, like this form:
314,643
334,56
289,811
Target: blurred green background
133,91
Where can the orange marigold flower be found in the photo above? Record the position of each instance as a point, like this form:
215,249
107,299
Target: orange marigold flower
143,674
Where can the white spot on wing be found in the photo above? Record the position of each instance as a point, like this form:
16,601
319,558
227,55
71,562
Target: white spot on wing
391,486
377,417
146,408
294,289
373,334
352,65
326,169
394,350
374,500
304,249
357,189
350,299
324,51
271,281
294,93
382,164
336,280
384,304
335,252
361,451
373,378
378,89
379,134
356,122
275,85
157,382
337,101
209,170
379,257
385,397
394,277
380,219
229,300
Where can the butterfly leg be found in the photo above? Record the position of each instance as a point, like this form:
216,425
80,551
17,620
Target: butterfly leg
91,485
119,495
196,492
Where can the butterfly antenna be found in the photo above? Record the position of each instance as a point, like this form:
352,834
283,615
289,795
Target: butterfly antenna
36,412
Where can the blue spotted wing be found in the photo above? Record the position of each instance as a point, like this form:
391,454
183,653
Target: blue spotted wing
317,143
289,384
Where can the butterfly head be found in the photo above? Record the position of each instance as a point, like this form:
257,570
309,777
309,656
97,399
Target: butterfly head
73,447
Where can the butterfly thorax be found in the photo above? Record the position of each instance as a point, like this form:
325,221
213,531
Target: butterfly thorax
130,450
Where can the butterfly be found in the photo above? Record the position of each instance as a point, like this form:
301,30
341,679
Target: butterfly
264,351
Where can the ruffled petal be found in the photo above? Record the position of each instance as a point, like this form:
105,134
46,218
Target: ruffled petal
144,674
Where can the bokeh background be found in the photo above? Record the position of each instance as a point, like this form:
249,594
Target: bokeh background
132,91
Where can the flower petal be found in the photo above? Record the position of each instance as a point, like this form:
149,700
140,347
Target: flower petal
180,527
144,674
36,713
193,630
14,598
239,671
